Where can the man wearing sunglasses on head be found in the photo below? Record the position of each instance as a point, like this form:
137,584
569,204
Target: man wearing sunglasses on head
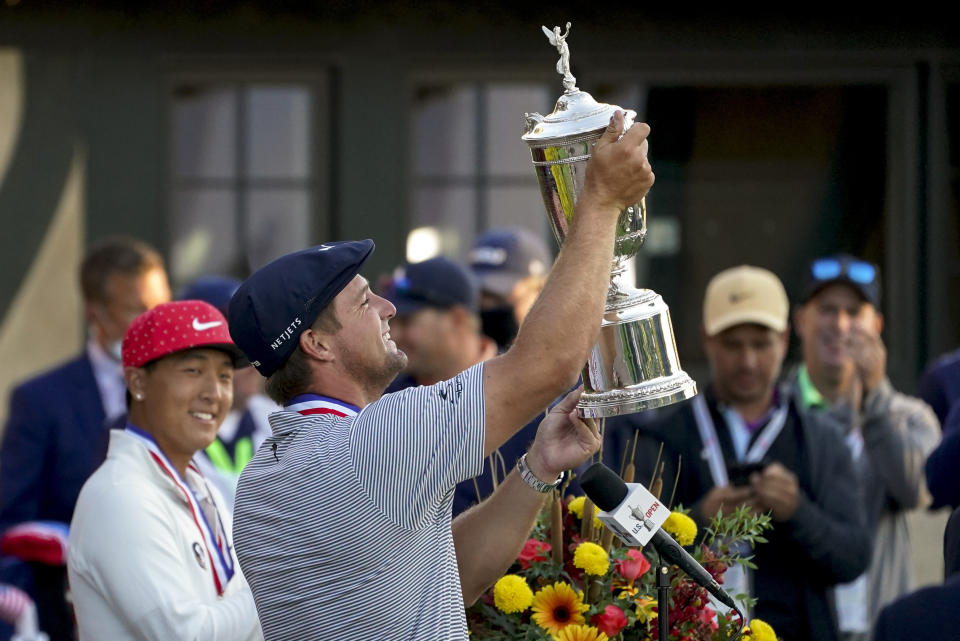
889,434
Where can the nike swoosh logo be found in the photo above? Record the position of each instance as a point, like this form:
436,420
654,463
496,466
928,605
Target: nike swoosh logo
324,248
199,327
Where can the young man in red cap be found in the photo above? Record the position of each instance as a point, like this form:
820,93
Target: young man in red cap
351,496
150,553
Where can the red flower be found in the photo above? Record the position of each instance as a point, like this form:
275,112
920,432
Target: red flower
634,566
533,551
610,621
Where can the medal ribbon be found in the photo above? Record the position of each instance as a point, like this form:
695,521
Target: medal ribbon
310,404
222,561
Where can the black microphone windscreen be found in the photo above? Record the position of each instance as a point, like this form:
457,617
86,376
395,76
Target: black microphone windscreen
604,486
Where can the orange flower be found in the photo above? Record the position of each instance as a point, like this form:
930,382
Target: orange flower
557,606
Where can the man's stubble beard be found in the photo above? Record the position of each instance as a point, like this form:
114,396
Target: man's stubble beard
374,379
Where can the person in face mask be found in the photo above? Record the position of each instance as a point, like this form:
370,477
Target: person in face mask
511,264
58,423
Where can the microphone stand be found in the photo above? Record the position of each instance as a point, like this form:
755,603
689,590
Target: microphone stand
663,599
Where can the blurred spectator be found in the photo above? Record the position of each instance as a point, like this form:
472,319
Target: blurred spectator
512,264
929,613
436,324
150,553
56,433
889,434
939,385
245,426
943,464
743,441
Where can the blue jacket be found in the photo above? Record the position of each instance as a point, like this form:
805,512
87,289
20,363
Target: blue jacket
55,437
943,473
930,613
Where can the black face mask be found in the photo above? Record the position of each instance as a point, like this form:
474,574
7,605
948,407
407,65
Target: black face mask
500,324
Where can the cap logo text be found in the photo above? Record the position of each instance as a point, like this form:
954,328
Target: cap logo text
488,256
287,333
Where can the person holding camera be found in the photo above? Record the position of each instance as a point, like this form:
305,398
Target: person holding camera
745,441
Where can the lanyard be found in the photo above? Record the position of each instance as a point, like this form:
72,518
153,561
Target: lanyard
222,561
309,404
711,443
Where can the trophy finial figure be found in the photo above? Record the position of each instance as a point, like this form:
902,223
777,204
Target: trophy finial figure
559,41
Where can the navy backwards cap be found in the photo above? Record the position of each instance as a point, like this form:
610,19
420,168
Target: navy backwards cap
503,257
438,282
283,299
861,275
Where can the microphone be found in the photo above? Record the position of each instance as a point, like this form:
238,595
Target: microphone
635,516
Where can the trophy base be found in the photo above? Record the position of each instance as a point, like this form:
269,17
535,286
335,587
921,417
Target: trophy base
634,366
637,398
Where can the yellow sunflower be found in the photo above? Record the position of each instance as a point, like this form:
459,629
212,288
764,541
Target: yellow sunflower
557,606
761,631
580,633
512,594
591,558
682,527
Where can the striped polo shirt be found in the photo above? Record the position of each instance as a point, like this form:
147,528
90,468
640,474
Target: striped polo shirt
342,524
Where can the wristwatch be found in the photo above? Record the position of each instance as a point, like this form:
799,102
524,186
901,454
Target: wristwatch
531,479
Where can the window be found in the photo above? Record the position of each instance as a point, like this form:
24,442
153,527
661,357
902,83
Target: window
471,171
246,176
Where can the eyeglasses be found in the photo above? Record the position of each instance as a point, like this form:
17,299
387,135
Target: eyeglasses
858,271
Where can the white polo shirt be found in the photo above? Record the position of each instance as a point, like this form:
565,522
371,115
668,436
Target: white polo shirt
343,529
133,561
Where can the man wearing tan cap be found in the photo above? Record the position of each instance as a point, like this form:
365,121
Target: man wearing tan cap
744,441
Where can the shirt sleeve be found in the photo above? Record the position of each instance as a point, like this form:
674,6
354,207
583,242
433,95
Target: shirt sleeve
899,432
128,553
411,448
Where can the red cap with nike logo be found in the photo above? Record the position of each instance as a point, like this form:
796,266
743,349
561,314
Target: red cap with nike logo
174,327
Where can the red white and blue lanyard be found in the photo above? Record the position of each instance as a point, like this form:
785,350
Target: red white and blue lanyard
217,545
310,404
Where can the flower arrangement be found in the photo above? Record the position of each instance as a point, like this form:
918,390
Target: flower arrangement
573,581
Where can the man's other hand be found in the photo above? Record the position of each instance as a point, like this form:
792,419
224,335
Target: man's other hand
563,440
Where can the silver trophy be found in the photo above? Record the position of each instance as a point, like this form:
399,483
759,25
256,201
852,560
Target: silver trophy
634,366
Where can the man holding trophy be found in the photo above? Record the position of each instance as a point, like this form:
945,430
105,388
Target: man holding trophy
352,493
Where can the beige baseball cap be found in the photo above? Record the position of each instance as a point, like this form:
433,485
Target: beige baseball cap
745,294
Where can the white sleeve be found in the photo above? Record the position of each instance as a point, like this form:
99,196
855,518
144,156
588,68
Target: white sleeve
128,558
411,448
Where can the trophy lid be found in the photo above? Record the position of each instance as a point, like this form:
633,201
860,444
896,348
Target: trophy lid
576,113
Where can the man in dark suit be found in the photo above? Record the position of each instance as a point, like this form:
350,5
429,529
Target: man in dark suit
56,433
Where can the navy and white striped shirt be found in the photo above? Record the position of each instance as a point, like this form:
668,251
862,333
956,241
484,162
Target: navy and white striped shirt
344,533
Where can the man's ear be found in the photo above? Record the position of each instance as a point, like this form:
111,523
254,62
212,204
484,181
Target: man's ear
136,379
316,345
798,315
879,323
